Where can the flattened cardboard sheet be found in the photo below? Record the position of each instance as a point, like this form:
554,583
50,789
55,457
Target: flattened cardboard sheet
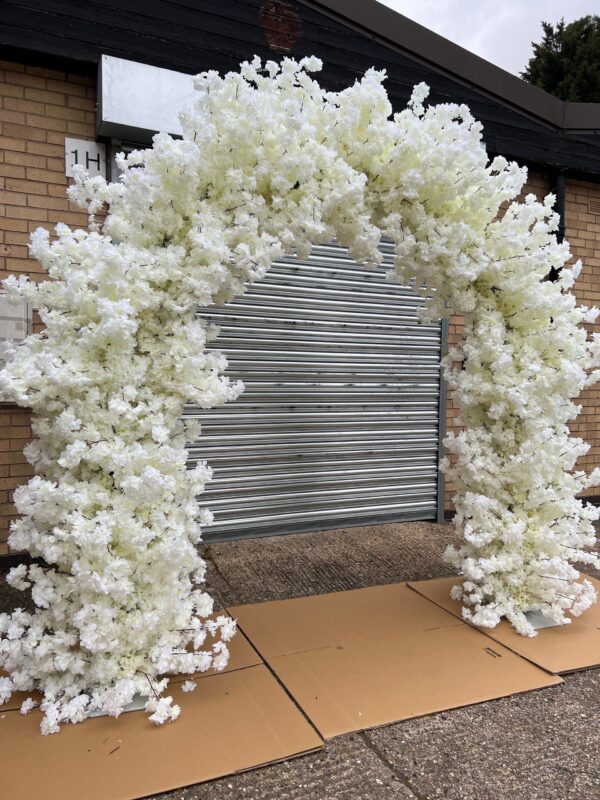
306,623
560,650
370,657
241,656
232,722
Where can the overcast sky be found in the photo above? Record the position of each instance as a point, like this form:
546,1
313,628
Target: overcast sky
500,31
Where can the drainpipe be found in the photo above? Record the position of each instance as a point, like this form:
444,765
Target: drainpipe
559,189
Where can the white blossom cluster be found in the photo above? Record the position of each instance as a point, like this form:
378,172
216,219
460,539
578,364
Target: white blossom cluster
525,357
269,164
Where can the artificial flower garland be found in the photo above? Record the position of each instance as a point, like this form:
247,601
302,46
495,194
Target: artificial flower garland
270,164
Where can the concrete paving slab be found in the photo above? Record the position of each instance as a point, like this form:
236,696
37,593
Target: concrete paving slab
347,769
278,567
540,746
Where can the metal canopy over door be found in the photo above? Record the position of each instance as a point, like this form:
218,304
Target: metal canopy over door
339,422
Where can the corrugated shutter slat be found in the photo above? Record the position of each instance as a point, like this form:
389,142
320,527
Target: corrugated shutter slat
339,421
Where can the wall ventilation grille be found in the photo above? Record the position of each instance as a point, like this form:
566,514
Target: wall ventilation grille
594,205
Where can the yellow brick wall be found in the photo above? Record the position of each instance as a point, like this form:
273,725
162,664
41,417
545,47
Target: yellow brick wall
38,108
583,233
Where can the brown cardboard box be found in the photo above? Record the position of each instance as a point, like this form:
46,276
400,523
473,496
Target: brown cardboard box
368,657
561,649
232,722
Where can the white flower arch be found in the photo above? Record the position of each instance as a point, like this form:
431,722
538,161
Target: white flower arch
269,164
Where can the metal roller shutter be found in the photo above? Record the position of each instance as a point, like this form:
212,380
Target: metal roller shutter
339,423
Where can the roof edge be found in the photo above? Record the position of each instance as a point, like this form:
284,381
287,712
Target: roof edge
401,31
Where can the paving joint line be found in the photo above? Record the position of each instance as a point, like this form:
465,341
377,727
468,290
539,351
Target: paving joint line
265,663
380,755
207,554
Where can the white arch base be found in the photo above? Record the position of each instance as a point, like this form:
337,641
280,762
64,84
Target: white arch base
269,164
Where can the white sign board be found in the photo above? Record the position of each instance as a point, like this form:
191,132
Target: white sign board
88,154
137,100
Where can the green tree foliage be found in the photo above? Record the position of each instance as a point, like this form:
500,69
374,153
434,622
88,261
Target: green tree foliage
566,62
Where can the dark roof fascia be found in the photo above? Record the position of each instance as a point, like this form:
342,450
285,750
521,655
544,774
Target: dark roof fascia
441,53
48,60
581,117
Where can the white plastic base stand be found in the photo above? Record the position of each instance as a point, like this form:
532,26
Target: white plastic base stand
539,621
137,704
